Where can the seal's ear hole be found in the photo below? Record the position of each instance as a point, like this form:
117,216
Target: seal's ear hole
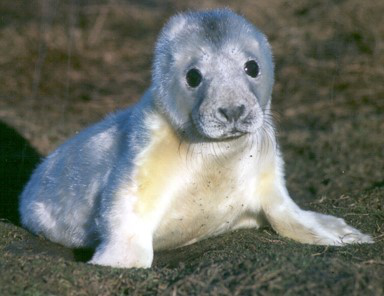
194,77
251,68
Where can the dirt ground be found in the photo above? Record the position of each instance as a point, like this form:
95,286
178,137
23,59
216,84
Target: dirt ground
66,64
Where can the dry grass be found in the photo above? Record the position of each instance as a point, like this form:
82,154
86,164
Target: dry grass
70,64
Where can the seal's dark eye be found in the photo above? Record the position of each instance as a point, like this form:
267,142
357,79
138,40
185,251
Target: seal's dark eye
194,77
251,68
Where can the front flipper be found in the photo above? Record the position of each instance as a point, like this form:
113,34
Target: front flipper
313,228
309,227
125,251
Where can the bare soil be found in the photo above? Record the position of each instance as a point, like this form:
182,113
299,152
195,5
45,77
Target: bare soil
66,64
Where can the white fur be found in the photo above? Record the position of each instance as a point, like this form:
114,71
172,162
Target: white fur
169,171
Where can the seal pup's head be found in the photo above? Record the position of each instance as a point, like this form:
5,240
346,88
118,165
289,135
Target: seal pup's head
213,74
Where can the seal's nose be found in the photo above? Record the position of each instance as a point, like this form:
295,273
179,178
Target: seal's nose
232,113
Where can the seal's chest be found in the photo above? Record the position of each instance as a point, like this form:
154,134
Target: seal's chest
208,202
192,191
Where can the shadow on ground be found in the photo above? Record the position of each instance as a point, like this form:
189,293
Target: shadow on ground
17,161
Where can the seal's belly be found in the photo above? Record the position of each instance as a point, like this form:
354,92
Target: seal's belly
211,204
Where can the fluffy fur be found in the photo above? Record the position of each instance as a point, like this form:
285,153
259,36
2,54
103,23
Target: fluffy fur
174,168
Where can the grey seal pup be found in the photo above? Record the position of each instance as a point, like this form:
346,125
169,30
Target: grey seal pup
195,157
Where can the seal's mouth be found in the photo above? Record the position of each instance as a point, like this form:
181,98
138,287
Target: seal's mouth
212,129
232,133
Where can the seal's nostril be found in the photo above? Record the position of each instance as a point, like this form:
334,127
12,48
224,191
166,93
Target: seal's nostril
232,113
224,113
240,111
